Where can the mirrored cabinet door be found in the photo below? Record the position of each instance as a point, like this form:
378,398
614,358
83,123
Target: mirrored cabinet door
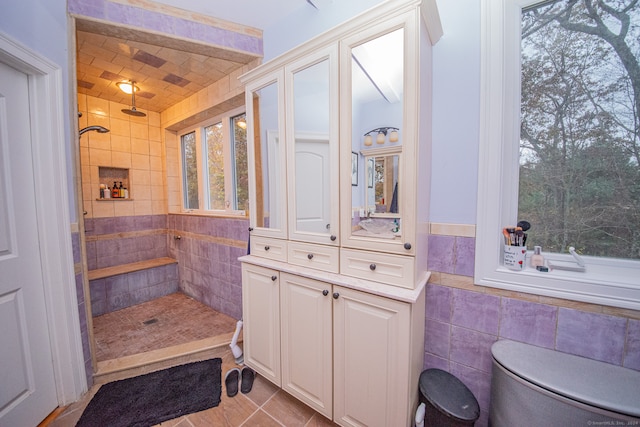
378,139
267,156
312,151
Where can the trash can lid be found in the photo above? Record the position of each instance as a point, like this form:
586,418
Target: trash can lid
449,395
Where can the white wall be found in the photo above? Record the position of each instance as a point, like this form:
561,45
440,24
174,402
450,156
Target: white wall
41,25
456,89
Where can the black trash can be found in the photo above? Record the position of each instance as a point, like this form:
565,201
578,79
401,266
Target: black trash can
449,403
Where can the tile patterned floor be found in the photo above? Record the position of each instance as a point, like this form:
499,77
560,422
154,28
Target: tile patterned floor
181,319
163,322
265,406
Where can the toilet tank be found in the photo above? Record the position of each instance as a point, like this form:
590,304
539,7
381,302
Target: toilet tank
536,386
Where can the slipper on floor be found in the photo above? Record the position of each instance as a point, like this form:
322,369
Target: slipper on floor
247,379
231,380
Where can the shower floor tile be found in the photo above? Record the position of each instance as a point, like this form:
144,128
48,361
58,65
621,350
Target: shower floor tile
167,321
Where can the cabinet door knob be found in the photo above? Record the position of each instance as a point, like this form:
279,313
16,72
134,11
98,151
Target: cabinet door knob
333,237
274,278
266,248
250,229
372,267
325,292
407,246
310,256
336,295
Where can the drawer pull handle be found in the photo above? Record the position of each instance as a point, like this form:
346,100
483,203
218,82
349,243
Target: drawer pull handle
372,267
274,278
325,292
333,237
407,246
266,248
310,256
336,295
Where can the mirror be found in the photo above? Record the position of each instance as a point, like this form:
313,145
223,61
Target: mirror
311,128
377,84
382,185
269,188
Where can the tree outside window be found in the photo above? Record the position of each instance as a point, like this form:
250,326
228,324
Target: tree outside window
214,165
579,179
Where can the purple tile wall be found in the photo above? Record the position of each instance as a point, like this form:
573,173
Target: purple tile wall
106,248
207,255
450,254
155,21
461,325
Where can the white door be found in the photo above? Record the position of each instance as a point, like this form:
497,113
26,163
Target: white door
27,390
313,189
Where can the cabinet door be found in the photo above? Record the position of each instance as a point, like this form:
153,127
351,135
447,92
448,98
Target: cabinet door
266,156
379,136
371,359
306,341
311,88
261,317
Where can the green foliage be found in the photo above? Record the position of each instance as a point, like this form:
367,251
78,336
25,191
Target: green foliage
580,127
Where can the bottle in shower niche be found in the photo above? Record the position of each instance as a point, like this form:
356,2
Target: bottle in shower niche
121,191
126,193
537,259
114,191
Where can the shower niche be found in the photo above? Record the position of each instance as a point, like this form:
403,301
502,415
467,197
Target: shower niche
108,176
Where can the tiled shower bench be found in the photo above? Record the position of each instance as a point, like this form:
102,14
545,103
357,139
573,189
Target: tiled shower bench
121,286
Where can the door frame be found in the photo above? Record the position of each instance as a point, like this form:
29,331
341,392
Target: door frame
53,214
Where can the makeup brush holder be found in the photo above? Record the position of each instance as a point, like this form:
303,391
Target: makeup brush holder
514,257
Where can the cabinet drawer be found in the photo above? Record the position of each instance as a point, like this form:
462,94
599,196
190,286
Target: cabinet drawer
319,257
391,269
269,248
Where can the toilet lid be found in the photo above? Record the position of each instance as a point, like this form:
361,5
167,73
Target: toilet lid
449,395
591,382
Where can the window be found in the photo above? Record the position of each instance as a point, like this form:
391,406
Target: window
559,145
189,171
215,154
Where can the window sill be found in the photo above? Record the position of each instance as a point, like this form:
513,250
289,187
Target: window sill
605,281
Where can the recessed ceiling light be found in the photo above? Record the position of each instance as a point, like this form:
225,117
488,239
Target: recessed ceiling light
127,87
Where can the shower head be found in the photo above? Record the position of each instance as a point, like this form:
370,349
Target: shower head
98,129
132,111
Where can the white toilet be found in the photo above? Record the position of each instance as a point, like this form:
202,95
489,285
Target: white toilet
536,386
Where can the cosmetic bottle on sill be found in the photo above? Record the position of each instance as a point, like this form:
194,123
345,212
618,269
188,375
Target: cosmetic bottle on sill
537,259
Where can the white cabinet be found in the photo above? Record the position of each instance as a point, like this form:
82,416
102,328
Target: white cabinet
311,93
373,363
293,157
266,153
339,147
306,331
261,318
351,355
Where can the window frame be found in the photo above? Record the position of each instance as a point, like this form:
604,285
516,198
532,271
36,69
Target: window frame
226,119
612,282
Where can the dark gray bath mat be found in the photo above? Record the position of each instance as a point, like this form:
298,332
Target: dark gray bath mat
156,397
